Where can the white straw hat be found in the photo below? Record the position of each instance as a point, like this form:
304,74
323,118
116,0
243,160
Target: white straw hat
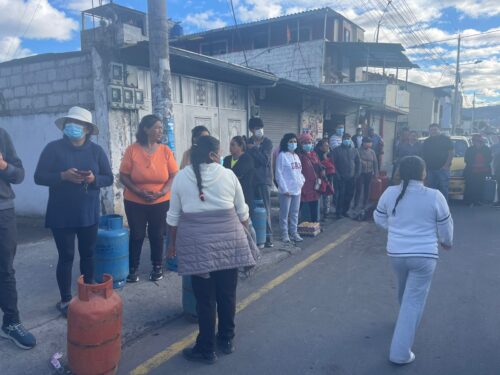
80,114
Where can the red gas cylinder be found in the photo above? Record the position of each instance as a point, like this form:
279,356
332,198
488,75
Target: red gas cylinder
385,180
94,329
375,189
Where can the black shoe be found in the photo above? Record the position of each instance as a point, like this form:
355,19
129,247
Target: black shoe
19,336
345,214
193,355
132,277
63,308
225,346
269,244
156,274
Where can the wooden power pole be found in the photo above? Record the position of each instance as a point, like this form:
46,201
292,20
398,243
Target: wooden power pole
159,63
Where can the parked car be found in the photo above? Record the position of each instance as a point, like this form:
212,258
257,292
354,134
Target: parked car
457,180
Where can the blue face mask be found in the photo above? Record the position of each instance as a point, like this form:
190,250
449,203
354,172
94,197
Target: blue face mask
340,131
74,131
346,142
307,147
292,147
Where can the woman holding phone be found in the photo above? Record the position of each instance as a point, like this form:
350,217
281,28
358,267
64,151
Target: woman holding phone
75,169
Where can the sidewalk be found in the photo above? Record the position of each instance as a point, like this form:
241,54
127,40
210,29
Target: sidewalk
147,305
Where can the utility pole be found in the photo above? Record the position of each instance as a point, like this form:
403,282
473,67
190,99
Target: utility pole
381,18
159,64
473,109
456,110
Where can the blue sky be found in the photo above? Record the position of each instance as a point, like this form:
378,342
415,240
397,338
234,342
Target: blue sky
40,26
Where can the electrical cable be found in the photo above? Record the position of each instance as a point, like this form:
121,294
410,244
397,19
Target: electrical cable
27,28
238,31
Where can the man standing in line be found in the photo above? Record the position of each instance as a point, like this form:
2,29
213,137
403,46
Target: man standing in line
358,138
261,148
336,139
347,164
438,151
11,172
378,144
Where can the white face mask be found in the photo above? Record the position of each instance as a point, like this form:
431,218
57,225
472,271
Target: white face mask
259,133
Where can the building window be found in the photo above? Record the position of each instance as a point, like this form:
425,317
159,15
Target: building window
214,48
260,40
347,35
305,35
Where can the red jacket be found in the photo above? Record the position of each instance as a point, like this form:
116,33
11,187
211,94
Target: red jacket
311,169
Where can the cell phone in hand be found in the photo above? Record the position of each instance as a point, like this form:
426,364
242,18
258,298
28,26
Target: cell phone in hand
84,173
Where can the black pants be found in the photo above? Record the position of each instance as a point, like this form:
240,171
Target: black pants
474,187
217,292
8,245
65,243
313,210
152,216
363,187
345,193
264,192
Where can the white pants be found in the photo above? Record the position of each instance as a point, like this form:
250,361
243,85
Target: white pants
414,278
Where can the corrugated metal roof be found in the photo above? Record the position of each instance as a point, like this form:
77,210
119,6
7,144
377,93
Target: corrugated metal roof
318,11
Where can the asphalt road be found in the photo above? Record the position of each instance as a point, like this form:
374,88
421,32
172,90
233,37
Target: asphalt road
336,315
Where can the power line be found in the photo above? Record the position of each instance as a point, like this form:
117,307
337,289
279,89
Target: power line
17,28
27,27
463,37
238,31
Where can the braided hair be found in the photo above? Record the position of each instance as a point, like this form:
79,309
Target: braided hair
410,168
200,153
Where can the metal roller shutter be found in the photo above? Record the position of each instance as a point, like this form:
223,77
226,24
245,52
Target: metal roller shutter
279,119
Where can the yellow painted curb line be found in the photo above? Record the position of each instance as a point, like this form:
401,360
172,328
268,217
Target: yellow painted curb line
174,349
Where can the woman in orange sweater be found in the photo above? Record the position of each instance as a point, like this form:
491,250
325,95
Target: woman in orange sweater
147,171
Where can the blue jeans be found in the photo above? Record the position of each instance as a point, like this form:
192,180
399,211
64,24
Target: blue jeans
289,208
414,281
439,180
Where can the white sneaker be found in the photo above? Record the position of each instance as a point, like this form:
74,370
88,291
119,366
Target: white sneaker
412,358
285,239
296,238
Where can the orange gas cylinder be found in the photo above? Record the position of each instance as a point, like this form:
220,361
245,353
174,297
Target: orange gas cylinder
94,329
375,189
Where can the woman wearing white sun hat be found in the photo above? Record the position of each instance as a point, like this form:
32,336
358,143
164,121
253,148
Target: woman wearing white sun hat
75,169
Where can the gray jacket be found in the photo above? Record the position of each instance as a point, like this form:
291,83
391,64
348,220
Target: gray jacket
14,174
213,241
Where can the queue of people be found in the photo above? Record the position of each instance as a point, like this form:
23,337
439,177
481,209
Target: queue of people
201,197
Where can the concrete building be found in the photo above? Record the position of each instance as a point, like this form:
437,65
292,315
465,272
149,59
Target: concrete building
111,77
318,48
113,81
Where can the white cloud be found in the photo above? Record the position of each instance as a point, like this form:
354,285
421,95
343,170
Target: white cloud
31,19
205,20
9,45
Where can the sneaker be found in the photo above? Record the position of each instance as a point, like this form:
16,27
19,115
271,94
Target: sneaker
225,346
412,358
296,238
194,355
269,244
156,274
63,308
285,239
132,277
19,336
